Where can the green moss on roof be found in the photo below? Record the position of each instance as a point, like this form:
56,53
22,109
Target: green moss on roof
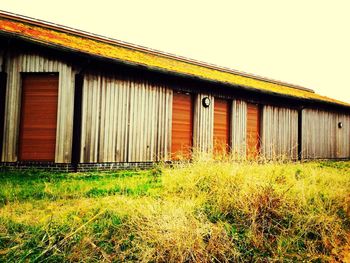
129,55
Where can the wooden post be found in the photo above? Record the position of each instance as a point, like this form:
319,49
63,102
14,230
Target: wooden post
3,79
78,94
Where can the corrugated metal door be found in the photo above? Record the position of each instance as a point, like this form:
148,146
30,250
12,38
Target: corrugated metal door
182,126
253,130
37,139
221,126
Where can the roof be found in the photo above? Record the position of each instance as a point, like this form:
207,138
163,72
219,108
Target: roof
79,41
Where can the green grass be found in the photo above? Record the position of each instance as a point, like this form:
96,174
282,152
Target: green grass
207,211
35,185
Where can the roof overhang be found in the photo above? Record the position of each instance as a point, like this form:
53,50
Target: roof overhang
105,48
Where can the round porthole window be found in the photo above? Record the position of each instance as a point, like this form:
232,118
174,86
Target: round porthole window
206,102
340,125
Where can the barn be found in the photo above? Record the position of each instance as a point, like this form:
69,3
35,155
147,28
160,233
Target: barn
72,100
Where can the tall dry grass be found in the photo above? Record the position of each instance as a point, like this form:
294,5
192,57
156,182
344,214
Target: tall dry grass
204,211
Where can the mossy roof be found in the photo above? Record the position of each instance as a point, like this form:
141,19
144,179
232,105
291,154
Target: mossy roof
118,51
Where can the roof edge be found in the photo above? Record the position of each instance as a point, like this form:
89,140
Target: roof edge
208,80
66,29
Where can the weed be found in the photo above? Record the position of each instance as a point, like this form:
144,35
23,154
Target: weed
204,211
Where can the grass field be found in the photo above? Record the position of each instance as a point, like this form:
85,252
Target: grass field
201,212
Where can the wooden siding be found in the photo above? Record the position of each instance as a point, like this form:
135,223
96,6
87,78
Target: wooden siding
343,136
3,79
239,128
253,130
221,126
203,124
125,120
182,126
279,133
321,137
30,62
38,117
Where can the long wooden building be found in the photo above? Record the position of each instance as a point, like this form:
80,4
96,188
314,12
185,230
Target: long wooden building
74,100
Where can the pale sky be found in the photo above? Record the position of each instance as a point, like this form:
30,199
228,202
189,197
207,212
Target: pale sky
303,42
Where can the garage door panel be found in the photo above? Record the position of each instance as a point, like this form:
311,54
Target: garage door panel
37,140
182,126
253,130
221,126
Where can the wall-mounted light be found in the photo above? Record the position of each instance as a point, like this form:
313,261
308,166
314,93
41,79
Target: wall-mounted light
340,125
206,102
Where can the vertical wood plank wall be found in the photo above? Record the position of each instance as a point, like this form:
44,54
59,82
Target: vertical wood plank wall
203,124
279,133
343,136
321,136
130,120
125,120
3,80
32,62
239,128
221,126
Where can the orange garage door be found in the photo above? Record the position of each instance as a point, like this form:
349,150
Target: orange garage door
38,117
221,126
253,130
182,127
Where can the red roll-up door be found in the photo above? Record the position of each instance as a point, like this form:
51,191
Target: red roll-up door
253,130
37,138
221,126
182,126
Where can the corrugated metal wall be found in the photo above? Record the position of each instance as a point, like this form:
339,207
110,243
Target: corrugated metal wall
279,133
239,128
30,62
321,137
129,120
203,124
125,120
